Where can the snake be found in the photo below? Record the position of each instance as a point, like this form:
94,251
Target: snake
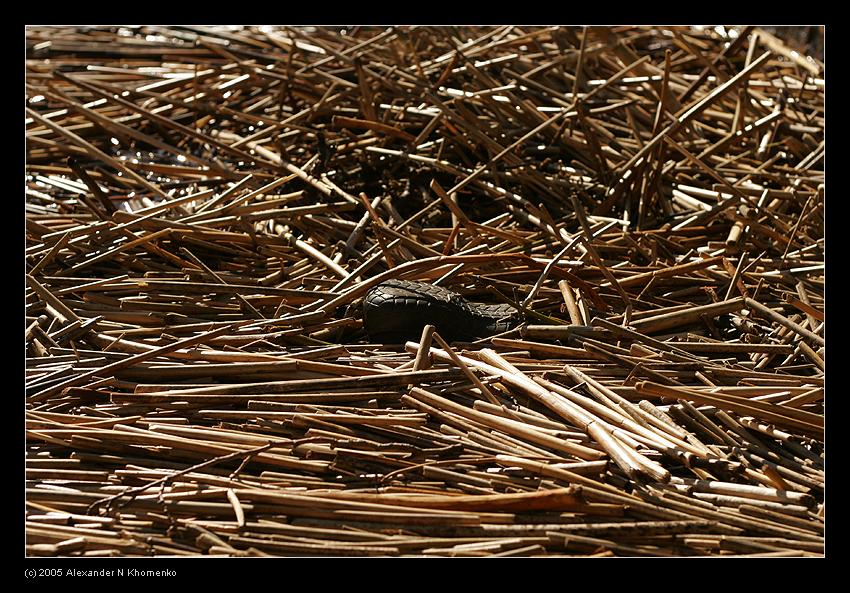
395,311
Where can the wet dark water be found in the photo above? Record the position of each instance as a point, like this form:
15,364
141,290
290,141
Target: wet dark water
805,39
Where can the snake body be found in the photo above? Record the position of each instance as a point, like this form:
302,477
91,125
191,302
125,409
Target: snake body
397,310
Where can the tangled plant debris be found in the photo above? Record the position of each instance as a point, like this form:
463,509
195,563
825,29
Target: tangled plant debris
206,208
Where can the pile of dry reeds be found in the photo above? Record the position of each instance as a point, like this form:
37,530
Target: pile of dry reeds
207,206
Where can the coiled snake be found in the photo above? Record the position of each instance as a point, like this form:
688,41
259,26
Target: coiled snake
397,310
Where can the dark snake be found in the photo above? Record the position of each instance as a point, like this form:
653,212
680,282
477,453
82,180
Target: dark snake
397,310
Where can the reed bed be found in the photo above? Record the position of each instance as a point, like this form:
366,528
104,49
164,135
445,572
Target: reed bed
206,208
